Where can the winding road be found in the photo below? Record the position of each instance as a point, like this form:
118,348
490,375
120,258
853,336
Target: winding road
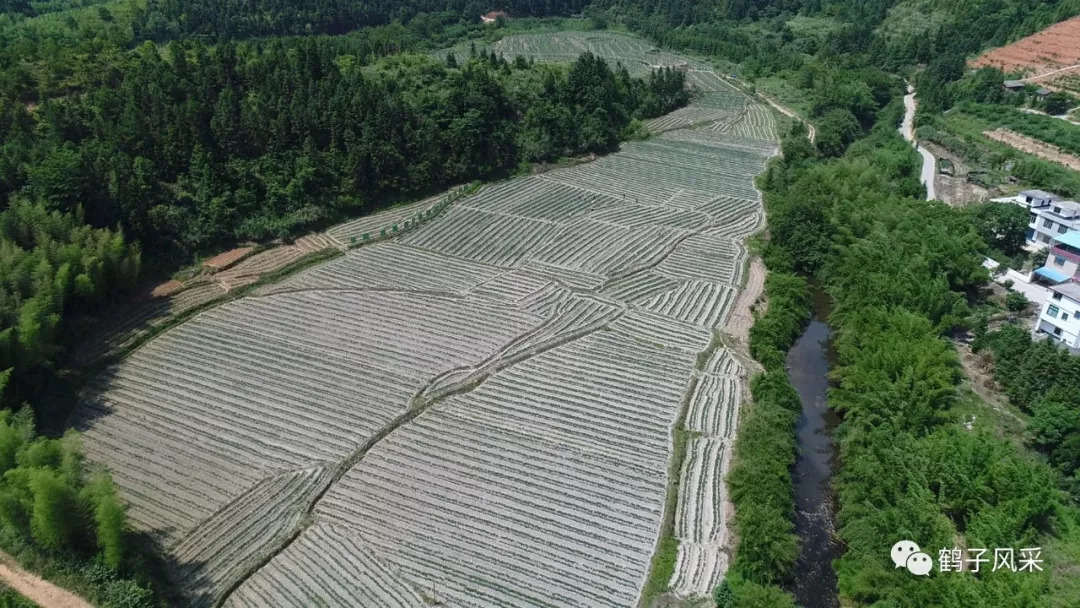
907,129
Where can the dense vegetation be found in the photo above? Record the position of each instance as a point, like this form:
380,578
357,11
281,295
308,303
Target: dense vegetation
54,269
68,512
1044,381
213,144
760,480
900,272
218,19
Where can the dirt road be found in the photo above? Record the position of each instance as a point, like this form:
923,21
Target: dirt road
907,129
786,112
36,589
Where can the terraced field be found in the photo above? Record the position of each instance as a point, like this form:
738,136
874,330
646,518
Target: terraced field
478,412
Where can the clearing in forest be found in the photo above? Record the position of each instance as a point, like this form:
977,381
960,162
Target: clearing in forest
477,412
1054,48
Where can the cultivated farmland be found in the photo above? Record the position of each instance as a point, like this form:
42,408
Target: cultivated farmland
1055,48
477,412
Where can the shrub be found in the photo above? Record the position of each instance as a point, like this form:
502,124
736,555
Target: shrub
1016,301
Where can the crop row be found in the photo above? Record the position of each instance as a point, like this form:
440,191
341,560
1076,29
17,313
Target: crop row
542,486
389,266
327,566
714,408
235,539
700,518
758,123
279,381
696,302
655,328
699,568
635,54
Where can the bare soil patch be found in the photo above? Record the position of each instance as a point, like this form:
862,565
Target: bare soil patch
224,260
1056,47
1034,146
955,190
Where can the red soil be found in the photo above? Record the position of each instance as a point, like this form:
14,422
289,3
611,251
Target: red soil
1056,47
166,289
224,260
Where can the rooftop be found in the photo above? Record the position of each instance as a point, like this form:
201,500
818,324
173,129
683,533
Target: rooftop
1041,194
1070,238
1013,84
1069,290
1059,209
1053,275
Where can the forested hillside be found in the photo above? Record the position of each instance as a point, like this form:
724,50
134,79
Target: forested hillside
197,146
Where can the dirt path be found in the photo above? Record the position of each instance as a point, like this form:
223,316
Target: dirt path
786,112
36,589
742,316
1034,146
1039,77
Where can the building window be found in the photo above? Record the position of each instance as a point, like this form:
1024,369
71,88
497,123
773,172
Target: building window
1048,223
1059,261
1057,209
1043,238
1064,316
1056,296
1062,229
1032,220
1057,331
1053,311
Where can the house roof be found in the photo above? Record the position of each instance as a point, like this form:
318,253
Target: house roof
1043,92
1070,238
1069,290
1067,205
1013,84
1054,275
1041,194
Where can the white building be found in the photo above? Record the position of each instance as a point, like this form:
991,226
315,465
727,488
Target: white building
1060,316
1035,198
1049,216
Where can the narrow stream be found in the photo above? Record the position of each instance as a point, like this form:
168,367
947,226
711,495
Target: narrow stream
808,366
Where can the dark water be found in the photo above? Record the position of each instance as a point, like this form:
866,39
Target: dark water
808,366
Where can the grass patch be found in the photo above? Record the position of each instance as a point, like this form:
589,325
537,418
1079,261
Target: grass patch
662,568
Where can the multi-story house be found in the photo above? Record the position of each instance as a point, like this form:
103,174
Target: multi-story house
1035,198
1062,260
1049,216
1060,316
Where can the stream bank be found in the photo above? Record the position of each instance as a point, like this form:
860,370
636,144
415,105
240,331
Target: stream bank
807,369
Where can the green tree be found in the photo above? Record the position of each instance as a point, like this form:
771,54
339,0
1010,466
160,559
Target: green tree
1002,226
1057,103
55,516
